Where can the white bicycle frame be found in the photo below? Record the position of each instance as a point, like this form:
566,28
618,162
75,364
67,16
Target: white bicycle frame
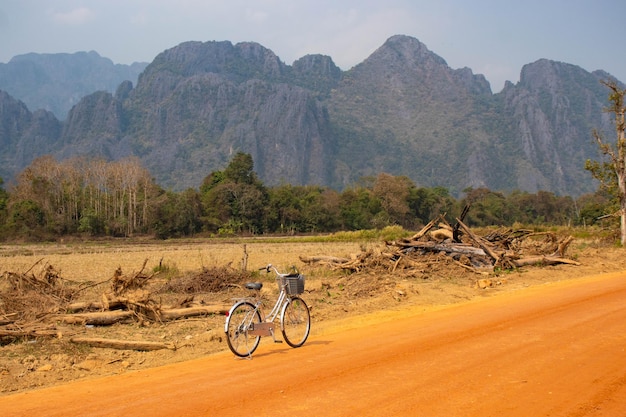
266,327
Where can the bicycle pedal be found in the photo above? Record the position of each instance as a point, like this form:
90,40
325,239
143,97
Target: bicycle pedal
278,341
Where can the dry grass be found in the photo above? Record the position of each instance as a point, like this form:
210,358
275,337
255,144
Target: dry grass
98,261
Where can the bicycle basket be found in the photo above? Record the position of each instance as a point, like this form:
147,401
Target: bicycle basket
295,284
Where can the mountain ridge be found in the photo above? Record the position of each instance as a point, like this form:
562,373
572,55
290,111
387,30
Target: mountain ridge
57,82
402,110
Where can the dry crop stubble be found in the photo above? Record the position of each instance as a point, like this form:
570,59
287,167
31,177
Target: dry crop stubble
97,262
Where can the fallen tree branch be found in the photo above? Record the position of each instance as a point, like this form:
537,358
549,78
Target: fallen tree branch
425,229
562,247
97,306
480,242
542,260
100,318
7,319
438,247
106,318
470,268
28,333
178,313
122,344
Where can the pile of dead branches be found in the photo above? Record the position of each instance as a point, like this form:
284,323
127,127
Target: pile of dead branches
27,299
126,299
214,279
36,304
440,243
137,297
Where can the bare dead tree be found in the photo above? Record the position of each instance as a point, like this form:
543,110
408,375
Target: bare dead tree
616,152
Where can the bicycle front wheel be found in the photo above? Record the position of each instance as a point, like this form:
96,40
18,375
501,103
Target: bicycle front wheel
242,318
295,321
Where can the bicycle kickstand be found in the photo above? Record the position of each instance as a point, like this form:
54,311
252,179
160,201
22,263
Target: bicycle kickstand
274,336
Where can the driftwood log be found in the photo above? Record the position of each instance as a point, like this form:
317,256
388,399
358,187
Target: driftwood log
425,229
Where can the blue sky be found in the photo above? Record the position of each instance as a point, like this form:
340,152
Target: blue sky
493,38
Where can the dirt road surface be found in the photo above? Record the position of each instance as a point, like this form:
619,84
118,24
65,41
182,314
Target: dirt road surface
549,350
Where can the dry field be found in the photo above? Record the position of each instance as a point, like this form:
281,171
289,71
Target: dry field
95,261
332,295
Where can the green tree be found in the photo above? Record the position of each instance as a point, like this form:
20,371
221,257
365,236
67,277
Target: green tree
240,170
487,207
234,197
27,219
214,211
426,203
211,181
614,171
296,209
284,212
593,207
91,223
178,215
359,208
321,210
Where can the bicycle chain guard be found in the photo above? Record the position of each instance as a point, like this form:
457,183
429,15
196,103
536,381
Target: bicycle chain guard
261,329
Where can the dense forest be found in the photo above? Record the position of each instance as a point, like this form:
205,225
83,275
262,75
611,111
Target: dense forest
94,197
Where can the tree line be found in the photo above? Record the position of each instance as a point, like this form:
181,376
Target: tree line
91,196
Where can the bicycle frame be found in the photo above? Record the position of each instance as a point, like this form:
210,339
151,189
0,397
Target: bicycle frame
266,327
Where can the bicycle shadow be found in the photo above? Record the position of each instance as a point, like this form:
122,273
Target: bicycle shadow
282,349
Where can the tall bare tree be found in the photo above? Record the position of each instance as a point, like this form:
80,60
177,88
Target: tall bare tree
115,193
615,170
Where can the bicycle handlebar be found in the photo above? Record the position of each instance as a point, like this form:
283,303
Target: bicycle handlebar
269,267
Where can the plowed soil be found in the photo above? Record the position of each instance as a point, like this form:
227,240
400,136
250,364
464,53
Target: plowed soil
544,342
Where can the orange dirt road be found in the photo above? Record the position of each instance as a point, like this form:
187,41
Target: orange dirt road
549,350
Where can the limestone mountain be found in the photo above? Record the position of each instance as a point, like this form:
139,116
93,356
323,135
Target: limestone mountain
56,82
402,110
199,103
24,134
550,115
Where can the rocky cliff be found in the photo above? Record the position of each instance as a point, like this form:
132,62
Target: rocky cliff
403,110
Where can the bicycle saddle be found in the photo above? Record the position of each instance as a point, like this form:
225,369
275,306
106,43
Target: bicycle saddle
254,285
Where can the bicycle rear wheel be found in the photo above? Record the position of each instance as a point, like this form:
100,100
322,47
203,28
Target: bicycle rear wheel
295,322
241,318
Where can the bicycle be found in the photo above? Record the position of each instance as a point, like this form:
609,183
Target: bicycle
246,323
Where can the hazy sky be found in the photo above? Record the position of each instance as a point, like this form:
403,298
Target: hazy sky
492,37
